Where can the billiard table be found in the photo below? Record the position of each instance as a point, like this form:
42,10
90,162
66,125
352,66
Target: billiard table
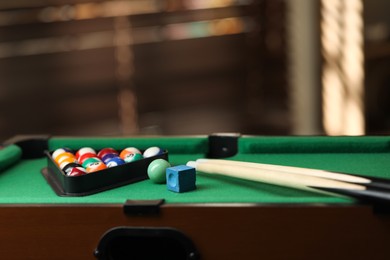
224,218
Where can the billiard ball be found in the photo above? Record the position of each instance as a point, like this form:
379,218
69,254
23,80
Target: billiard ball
89,161
108,157
67,161
105,151
157,170
96,166
132,157
152,151
63,156
129,150
84,150
68,167
85,156
115,161
77,171
60,151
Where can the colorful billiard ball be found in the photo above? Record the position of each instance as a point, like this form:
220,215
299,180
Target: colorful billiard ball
105,151
63,156
85,156
152,151
67,161
60,151
115,161
96,166
84,150
157,170
68,167
108,157
129,150
132,157
89,161
77,171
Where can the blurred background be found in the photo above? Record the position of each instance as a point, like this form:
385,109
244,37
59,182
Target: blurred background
178,67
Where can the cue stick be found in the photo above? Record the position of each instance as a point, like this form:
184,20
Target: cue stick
372,182
292,180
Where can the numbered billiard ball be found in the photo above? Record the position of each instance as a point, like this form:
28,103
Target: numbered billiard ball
115,161
105,151
129,150
96,166
77,171
132,157
89,161
152,151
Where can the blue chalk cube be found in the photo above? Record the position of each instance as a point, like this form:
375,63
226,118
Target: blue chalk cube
181,178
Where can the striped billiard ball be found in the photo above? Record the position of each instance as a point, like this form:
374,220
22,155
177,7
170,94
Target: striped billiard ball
59,151
89,161
68,167
96,166
129,150
115,161
85,156
77,171
108,157
64,156
132,157
84,150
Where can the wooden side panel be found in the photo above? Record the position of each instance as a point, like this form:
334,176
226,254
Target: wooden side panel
221,232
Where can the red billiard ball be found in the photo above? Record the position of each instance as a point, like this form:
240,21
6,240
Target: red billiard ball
68,167
105,151
77,171
84,150
85,156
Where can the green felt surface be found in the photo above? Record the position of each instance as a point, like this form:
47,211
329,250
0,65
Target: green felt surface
9,156
23,183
